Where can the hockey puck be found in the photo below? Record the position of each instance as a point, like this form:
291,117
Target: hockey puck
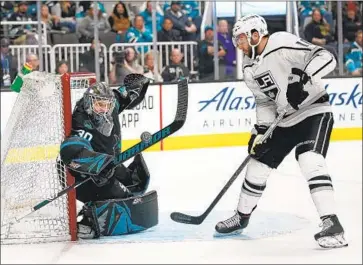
146,137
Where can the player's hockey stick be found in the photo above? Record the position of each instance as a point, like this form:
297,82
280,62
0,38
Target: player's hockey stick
180,117
197,220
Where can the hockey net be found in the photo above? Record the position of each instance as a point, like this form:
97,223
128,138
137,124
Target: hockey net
30,171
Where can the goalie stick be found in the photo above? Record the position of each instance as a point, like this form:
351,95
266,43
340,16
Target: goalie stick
177,124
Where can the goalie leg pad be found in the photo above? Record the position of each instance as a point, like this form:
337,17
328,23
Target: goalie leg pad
124,216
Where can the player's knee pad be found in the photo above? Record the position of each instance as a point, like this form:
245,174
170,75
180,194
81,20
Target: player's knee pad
314,169
312,164
122,216
257,172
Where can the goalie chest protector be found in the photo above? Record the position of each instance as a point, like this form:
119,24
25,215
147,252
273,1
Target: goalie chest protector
124,216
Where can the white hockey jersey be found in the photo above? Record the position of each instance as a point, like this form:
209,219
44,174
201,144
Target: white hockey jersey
267,78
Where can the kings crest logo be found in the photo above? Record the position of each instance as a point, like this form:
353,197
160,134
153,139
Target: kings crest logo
268,85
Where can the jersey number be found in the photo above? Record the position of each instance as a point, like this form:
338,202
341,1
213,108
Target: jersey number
85,135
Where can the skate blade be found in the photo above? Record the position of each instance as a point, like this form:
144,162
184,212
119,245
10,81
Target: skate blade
232,234
337,241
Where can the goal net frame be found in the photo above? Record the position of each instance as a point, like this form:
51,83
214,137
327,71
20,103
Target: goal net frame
72,86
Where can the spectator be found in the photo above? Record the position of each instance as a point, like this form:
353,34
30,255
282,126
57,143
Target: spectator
66,12
8,64
307,8
31,64
7,9
124,63
167,33
85,5
181,22
175,69
134,8
158,9
119,19
147,15
226,40
138,33
32,60
62,68
22,34
354,57
49,20
191,9
87,25
68,9
351,24
88,60
206,55
149,68
318,33
32,8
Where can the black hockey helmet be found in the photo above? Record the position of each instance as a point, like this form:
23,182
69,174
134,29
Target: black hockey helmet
99,103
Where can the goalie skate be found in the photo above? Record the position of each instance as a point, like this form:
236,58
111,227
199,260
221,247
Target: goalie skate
233,225
332,234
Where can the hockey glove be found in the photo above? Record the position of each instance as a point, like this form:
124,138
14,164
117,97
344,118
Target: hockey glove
255,149
295,93
132,93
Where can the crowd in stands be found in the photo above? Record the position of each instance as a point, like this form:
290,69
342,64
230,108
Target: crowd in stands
131,22
319,26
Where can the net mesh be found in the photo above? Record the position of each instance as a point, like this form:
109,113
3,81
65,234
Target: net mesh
30,172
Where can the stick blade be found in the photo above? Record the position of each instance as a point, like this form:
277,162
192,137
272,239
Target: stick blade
186,219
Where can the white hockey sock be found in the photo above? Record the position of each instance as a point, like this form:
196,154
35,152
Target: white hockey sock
253,186
249,197
314,169
322,193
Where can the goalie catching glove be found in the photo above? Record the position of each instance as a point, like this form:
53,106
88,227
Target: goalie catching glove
133,91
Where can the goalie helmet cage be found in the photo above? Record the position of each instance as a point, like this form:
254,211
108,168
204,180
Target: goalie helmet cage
30,171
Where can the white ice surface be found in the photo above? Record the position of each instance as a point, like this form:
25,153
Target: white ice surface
281,229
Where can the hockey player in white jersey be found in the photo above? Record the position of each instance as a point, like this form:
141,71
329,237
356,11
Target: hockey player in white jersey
282,69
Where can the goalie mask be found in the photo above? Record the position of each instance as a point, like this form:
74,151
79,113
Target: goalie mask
99,101
248,25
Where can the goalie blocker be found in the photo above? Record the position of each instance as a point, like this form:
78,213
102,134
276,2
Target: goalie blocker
119,216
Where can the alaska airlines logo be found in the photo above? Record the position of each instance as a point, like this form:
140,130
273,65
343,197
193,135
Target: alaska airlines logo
226,99
354,97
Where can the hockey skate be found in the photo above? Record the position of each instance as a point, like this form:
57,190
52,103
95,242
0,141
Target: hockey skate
332,233
233,225
85,227
84,231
